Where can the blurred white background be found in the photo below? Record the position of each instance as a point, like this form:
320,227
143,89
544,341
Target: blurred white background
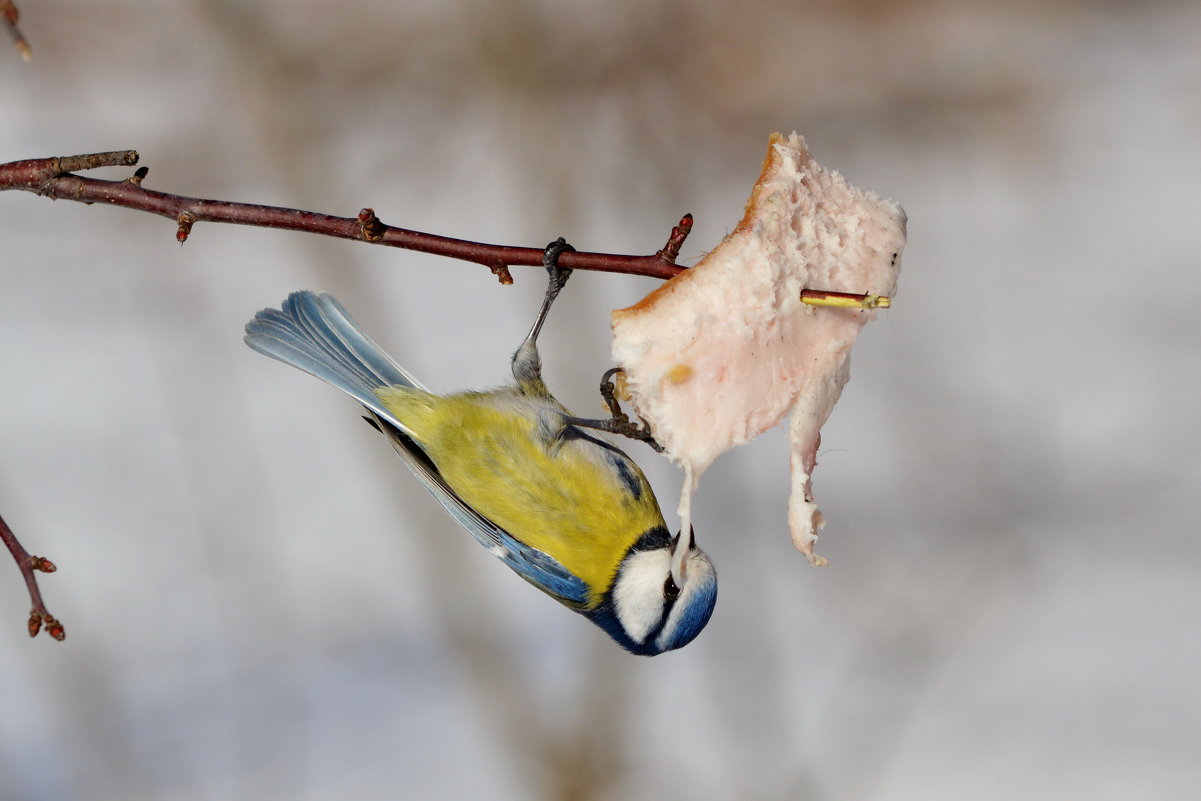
261,603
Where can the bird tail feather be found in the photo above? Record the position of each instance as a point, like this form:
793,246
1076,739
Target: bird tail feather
313,333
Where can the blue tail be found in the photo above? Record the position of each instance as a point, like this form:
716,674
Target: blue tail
314,333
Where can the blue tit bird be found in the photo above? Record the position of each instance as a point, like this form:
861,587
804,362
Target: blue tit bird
565,509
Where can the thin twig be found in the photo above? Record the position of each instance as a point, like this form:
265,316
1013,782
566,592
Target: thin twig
39,616
53,178
10,15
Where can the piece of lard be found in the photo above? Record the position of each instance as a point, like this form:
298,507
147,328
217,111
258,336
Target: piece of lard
721,352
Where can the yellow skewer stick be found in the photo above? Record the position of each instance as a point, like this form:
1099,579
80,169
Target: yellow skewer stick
844,300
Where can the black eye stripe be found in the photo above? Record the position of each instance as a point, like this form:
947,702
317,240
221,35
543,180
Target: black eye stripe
670,590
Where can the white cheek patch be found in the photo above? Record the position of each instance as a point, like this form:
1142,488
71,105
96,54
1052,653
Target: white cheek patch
638,596
702,578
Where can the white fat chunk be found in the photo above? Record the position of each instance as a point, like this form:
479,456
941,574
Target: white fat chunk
720,353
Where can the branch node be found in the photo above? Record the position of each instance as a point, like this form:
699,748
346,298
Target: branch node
42,563
139,174
370,226
186,221
501,271
671,251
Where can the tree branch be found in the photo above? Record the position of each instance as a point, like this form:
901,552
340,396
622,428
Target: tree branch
39,616
53,178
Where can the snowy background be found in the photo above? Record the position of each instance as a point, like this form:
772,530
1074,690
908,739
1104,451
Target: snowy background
260,601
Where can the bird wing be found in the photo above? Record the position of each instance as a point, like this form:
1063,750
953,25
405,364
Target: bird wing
535,566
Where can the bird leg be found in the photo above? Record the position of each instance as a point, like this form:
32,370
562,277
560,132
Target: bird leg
527,363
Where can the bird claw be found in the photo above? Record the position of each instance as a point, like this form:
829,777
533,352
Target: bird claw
619,422
550,260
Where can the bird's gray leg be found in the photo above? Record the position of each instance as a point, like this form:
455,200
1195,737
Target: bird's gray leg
527,364
527,367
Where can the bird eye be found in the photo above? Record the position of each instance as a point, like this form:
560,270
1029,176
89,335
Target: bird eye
670,590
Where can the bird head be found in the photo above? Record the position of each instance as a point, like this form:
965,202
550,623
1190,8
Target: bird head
662,595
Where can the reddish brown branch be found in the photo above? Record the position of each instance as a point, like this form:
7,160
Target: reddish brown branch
10,15
39,616
53,178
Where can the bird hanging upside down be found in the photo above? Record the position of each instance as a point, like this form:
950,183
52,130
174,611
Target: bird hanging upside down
565,509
